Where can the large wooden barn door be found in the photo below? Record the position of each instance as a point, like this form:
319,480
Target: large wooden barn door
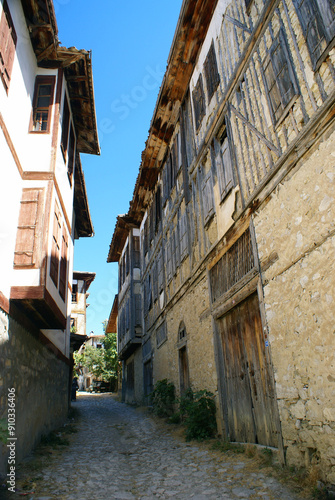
249,395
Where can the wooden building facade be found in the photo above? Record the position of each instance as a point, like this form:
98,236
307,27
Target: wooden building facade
235,205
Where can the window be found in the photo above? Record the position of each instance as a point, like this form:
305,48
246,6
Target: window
73,325
27,232
168,259
211,72
71,155
65,127
56,242
160,271
146,236
187,131
128,314
207,198
158,208
8,41
63,265
42,104
155,281
136,243
183,236
138,310
170,170
175,250
74,292
280,78
317,19
161,334
233,266
147,294
199,102
223,164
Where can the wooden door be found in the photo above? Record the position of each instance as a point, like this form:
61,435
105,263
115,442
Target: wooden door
249,394
183,370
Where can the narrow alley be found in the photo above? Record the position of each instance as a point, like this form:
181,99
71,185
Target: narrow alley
121,452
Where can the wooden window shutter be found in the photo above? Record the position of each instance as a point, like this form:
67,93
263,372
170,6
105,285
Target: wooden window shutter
183,236
126,259
128,314
211,72
160,271
207,198
8,41
198,102
317,21
152,223
187,132
168,262
63,265
327,11
149,292
158,208
138,310
175,160
70,163
26,238
155,281
176,249
280,77
40,121
55,248
146,237
169,166
65,127
146,287
224,167
136,250
165,185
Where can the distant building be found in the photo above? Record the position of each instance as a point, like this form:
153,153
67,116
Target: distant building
226,253
81,282
47,118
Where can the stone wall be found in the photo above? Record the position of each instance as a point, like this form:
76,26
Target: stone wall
191,310
299,288
41,383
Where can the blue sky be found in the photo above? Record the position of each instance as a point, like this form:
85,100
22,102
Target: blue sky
130,43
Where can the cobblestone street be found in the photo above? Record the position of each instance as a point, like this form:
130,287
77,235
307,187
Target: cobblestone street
120,452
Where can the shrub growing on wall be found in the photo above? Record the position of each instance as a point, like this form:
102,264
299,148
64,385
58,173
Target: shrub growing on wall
163,398
198,411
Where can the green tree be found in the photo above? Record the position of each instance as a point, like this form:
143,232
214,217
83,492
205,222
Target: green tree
101,362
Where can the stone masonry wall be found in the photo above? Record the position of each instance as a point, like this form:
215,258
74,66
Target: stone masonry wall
192,310
41,384
298,224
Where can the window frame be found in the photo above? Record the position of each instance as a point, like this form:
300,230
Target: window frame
56,245
321,10
211,71
199,102
66,122
207,195
74,293
279,43
39,81
8,41
30,220
223,161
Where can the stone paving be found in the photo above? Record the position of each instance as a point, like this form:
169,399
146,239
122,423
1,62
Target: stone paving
123,453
